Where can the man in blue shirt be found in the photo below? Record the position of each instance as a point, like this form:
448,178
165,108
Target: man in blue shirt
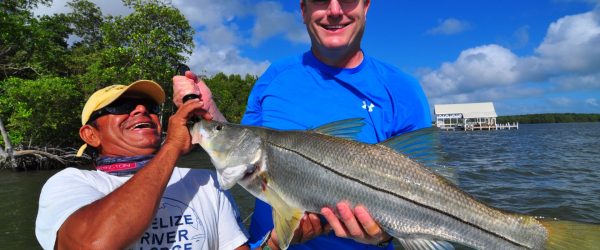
335,80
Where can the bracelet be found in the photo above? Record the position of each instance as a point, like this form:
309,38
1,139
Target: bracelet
188,97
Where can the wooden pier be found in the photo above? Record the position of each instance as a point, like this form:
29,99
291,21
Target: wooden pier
484,126
476,126
469,117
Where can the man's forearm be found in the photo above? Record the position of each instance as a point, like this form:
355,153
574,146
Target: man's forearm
119,218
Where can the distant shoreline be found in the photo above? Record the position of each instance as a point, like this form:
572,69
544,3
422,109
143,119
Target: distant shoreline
549,118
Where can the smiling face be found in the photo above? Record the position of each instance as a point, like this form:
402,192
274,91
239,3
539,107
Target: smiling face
131,134
335,27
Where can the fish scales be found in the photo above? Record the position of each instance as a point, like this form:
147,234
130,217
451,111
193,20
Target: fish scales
317,159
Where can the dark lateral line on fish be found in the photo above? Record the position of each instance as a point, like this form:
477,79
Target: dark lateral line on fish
402,197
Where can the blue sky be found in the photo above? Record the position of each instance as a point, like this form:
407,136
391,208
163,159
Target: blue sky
526,56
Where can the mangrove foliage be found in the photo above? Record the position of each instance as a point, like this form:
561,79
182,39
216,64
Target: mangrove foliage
549,118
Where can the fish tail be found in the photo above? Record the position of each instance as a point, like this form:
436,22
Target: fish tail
571,235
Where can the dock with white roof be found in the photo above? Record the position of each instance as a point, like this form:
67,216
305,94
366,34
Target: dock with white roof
469,117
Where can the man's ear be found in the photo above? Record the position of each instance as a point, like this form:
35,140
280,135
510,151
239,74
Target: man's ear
367,4
302,8
90,135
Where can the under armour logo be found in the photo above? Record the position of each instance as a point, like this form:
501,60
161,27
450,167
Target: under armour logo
370,107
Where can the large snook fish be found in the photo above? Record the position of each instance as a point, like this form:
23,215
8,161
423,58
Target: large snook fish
298,171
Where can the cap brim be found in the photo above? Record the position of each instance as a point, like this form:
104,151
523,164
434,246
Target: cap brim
141,87
149,88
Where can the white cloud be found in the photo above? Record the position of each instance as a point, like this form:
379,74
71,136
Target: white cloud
207,61
568,58
271,20
487,94
449,26
592,102
561,101
219,35
58,6
211,13
475,68
578,82
573,43
110,7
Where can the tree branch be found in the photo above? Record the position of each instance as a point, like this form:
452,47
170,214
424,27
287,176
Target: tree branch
8,146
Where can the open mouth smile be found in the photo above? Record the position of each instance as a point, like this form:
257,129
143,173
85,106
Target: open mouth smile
142,125
334,27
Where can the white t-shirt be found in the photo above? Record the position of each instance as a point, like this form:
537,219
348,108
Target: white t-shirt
194,213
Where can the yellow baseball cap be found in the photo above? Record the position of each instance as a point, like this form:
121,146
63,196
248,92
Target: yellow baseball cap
107,95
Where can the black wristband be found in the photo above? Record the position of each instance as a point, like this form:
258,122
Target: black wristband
189,96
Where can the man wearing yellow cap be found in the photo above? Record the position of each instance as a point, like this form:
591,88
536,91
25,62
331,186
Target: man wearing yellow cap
137,198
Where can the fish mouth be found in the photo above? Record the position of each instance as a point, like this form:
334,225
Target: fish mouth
249,172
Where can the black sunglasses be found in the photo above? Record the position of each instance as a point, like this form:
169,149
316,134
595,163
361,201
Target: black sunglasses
323,2
124,106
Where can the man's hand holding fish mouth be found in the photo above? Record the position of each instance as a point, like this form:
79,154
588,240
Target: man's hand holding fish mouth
177,133
191,84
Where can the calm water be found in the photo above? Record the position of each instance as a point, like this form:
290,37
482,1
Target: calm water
550,170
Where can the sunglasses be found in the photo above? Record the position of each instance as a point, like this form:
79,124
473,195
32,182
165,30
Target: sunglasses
124,106
326,2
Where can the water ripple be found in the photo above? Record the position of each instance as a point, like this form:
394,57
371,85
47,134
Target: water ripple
550,170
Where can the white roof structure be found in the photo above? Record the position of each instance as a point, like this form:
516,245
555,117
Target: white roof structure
468,110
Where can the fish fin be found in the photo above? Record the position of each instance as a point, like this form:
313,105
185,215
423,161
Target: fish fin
347,128
425,244
423,146
571,235
285,217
